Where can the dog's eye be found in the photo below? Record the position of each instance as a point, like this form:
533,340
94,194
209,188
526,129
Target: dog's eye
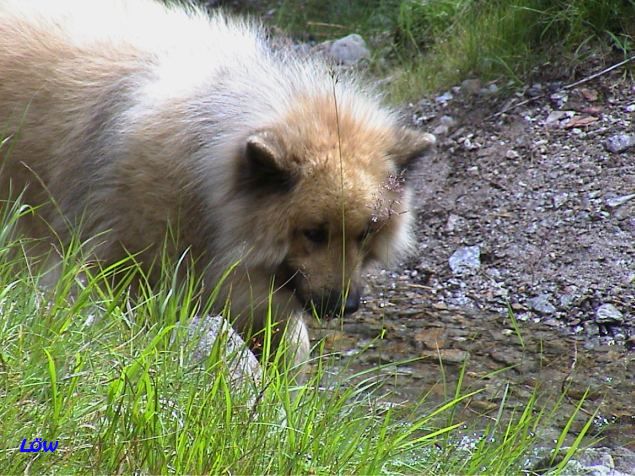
364,235
316,235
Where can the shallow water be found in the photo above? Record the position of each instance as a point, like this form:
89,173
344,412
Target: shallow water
506,361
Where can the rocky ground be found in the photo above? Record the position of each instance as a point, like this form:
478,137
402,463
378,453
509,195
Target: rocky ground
530,210
533,208
528,203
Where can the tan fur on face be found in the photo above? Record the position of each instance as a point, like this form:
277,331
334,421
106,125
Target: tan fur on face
349,185
128,131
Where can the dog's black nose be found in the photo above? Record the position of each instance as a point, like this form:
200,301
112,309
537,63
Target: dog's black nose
331,305
352,302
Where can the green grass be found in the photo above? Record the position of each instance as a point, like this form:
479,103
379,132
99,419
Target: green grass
111,378
426,45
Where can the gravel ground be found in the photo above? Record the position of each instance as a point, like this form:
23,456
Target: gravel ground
534,207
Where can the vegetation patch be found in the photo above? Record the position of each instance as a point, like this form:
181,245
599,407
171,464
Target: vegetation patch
109,380
426,45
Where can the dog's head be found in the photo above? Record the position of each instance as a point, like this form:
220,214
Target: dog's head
339,191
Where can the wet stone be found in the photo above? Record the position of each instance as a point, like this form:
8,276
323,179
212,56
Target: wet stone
447,356
431,338
592,461
508,357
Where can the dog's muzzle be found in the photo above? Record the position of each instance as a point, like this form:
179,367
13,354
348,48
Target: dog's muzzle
335,303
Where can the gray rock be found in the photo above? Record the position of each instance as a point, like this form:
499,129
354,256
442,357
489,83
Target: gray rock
566,299
560,199
624,460
465,259
620,142
541,304
555,117
454,221
534,90
607,313
511,154
591,329
349,50
559,98
447,356
471,86
618,201
441,130
489,90
242,365
601,462
447,121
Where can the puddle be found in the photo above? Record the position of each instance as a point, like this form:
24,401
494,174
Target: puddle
508,363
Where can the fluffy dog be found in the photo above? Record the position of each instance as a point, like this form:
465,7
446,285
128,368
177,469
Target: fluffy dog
123,119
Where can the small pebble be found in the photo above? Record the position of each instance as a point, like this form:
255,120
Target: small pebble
444,98
471,86
541,304
467,258
512,154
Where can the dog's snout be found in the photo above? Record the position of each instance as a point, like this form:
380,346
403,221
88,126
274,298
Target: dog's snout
335,303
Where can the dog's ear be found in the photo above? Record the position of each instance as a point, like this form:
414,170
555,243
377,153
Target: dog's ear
409,146
268,164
